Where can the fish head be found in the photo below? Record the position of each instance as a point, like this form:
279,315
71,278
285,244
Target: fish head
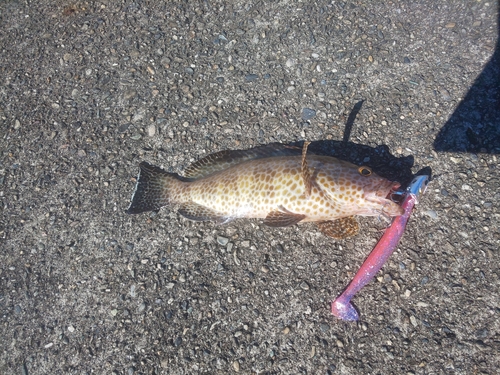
373,199
359,191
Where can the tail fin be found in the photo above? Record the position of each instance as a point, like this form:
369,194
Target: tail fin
152,189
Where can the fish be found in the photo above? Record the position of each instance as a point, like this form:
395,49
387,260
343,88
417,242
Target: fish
283,185
342,307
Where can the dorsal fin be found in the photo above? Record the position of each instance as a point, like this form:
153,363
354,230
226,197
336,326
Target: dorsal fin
224,159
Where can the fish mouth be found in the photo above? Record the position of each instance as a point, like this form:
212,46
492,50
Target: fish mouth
383,205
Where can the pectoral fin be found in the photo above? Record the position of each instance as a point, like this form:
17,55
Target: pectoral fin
197,212
340,228
282,218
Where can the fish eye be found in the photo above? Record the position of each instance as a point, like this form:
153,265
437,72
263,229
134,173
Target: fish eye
364,171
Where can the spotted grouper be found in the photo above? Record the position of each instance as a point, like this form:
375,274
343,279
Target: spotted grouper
281,184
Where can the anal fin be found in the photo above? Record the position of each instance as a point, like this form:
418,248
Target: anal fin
282,218
340,228
197,212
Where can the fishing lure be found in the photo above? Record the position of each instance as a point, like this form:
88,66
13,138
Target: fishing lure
342,307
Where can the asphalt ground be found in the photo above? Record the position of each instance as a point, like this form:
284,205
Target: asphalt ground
90,89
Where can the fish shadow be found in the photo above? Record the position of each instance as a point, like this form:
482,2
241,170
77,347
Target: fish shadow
378,158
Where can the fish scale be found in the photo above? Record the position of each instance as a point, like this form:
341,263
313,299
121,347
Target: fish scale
281,184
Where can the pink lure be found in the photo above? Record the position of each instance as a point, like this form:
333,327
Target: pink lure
342,307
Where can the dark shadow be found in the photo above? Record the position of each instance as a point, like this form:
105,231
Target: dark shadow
379,158
475,124
350,120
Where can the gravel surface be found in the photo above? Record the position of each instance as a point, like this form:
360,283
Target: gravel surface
90,89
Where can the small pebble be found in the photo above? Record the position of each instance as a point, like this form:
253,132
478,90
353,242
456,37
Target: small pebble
413,321
308,113
236,366
251,77
313,352
324,327
123,128
431,213
178,341
222,240
151,130
71,328
138,116
286,330
406,60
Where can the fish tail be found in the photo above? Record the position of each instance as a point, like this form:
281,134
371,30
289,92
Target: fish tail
153,189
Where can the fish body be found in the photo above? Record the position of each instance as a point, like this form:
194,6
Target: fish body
281,184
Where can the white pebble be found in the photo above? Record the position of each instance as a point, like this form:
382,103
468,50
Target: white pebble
236,366
151,130
431,213
413,321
